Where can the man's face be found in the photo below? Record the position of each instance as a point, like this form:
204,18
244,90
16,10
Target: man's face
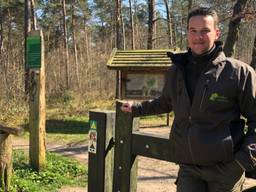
202,33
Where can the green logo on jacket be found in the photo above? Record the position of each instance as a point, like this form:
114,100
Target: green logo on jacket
217,97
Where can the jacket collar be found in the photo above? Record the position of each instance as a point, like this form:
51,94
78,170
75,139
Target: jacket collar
180,59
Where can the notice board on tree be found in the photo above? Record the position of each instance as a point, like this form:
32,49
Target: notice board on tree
142,72
33,51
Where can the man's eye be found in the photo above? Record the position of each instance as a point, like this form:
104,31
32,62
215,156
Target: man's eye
192,31
205,31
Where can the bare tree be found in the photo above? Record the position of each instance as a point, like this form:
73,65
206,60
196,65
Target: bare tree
65,43
151,23
27,28
73,24
234,27
169,24
118,25
1,32
253,62
118,44
123,33
131,25
33,17
190,3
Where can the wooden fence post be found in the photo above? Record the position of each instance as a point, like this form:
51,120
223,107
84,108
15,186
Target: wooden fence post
35,63
101,141
6,155
125,163
5,160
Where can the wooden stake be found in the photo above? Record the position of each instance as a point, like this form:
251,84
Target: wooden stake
5,160
37,111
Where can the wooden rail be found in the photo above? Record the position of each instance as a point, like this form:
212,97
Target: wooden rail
11,130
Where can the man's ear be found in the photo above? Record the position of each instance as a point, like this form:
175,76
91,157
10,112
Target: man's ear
218,33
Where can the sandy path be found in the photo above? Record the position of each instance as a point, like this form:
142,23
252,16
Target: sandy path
153,175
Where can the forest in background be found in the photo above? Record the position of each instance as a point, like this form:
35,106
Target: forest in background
79,36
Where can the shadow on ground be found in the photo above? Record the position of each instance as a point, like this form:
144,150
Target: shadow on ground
65,126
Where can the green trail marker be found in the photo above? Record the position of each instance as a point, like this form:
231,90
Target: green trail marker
33,52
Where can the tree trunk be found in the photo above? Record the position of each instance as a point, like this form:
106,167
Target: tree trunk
33,17
135,27
65,43
27,28
118,44
151,23
132,25
253,63
1,34
118,25
234,27
123,33
181,35
5,160
6,62
169,24
75,44
174,36
190,3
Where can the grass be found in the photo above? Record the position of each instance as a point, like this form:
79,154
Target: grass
59,171
65,123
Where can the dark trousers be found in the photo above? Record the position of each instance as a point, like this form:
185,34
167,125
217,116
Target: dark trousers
221,177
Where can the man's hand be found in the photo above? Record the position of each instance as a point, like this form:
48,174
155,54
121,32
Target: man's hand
127,106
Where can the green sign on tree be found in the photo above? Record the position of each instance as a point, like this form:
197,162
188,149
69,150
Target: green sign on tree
33,53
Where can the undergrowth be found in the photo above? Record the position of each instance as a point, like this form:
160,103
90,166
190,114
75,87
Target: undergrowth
59,171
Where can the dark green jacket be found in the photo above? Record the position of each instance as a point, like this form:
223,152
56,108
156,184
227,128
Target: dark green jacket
210,130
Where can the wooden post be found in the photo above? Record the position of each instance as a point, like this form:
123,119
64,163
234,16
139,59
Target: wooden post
100,172
125,163
5,160
36,67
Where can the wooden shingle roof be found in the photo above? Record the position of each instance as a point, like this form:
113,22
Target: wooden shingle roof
130,59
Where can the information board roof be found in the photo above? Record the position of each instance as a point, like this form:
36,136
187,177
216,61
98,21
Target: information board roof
143,59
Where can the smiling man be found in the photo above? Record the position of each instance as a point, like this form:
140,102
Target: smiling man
208,94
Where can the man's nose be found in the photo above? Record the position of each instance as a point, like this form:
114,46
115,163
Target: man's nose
199,35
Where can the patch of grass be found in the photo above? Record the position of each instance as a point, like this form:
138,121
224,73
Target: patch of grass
155,120
67,130
59,171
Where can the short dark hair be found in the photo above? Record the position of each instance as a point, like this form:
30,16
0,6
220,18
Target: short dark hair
204,11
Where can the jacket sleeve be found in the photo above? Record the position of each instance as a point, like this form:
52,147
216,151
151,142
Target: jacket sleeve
162,104
247,103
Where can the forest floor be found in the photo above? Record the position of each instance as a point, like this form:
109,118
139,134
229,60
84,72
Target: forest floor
153,175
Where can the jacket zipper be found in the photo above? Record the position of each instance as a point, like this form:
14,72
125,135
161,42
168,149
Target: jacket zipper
204,93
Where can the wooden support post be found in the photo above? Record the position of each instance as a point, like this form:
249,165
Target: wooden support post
100,172
5,160
125,163
6,155
36,67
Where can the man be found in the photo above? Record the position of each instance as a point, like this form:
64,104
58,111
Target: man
208,93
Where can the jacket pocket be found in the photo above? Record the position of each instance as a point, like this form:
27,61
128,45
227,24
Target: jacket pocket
178,142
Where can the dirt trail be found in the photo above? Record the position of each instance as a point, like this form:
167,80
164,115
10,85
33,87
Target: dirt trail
153,175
